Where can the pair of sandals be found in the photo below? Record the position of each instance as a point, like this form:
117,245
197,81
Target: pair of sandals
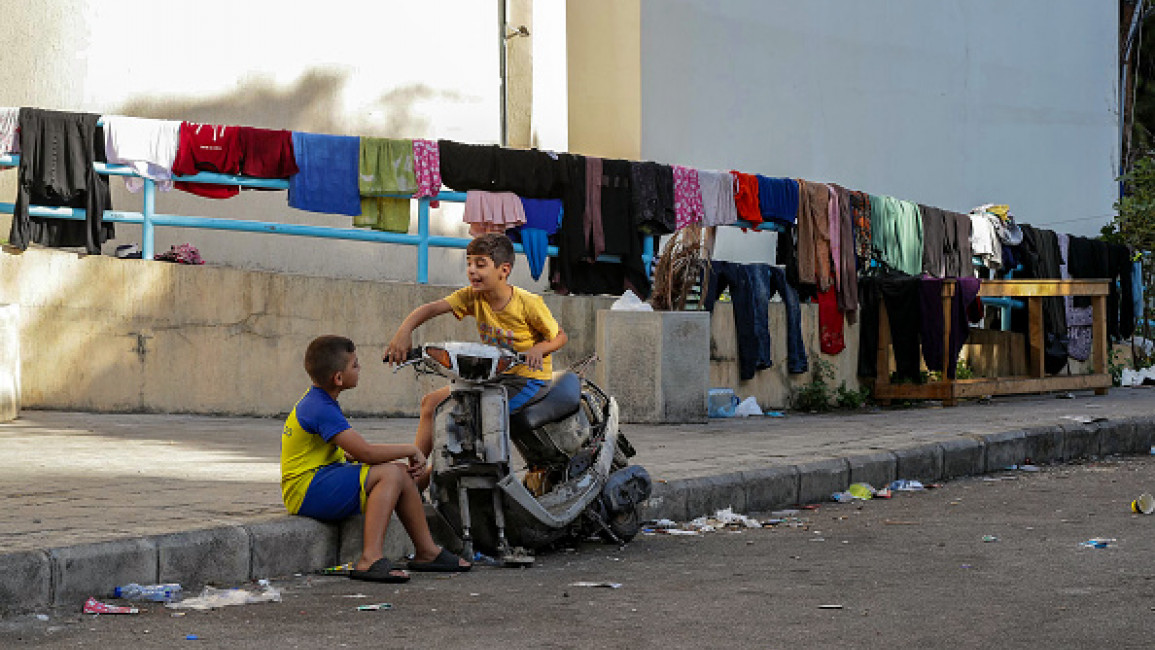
382,570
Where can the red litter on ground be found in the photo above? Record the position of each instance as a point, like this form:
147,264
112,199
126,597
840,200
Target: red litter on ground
94,606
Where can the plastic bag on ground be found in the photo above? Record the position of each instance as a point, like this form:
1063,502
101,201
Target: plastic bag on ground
748,407
212,597
630,302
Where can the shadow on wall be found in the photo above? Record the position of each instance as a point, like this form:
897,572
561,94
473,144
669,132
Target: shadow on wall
313,103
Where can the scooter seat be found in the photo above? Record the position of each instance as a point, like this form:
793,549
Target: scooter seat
562,398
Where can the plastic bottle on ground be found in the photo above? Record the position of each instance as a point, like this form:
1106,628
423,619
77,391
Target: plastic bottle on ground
158,593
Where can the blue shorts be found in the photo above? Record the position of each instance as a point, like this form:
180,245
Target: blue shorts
335,492
521,390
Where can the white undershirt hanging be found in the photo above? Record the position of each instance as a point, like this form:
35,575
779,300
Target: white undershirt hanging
148,146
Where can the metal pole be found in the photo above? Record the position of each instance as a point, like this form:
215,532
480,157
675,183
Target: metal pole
502,65
423,240
147,212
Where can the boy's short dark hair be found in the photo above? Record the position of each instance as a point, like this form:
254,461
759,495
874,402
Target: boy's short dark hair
494,245
325,356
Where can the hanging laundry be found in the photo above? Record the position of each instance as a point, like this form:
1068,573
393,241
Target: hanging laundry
1120,311
327,180
1040,261
652,197
9,130
830,323
860,206
687,196
487,212
266,153
386,166
718,207
946,248
751,288
1079,319
620,235
542,218
834,228
778,199
207,148
900,293
933,323
147,146
845,260
427,169
746,197
896,230
467,167
56,170
959,261
985,243
594,239
530,173
814,235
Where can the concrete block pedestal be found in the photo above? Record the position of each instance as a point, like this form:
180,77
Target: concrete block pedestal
656,364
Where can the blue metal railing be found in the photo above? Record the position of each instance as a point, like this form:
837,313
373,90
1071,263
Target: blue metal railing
149,220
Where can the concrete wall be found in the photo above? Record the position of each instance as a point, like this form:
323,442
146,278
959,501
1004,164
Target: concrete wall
392,69
102,334
950,104
603,63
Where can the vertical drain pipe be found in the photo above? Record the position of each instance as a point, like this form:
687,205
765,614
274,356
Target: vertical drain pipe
501,8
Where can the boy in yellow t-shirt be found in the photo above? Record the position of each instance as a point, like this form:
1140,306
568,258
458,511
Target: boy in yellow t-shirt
317,482
506,316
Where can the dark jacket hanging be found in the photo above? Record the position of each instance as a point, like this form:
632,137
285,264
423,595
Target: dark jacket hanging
57,152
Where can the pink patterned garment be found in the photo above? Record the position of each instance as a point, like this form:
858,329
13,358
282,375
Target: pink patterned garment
687,197
427,168
9,133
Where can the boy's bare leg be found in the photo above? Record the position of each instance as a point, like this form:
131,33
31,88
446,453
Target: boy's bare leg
411,512
384,485
424,439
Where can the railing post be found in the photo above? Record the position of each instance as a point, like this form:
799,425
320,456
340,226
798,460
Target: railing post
423,243
147,212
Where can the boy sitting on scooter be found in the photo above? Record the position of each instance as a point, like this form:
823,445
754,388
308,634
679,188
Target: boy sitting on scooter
317,482
506,315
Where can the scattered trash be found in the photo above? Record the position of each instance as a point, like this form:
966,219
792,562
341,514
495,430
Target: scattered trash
830,607
1065,396
728,516
339,570
376,607
1023,468
212,597
789,512
630,302
884,493
1145,504
485,560
842,497
191,637
1137,377
42,617
94,606
1097,542
747,408
906,485
990,538
774,414
722,403
665,523
163,593
607,585
861,490
354,596
1085,419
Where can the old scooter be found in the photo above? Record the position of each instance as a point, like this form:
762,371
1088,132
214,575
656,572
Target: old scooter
574,481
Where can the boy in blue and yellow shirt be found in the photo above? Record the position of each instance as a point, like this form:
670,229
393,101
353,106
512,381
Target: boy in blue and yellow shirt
318,482
506,315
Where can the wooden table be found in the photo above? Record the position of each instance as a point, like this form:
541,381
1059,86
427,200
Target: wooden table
1034,291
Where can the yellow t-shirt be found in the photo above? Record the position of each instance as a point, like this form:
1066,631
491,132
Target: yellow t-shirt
306,444
520,325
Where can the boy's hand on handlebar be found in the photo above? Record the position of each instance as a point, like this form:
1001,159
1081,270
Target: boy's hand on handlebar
398,349
533,358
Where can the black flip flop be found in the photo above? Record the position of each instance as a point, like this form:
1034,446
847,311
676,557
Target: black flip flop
445,562
379,571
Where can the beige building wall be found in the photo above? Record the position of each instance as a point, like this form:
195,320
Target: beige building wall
603,59
389,69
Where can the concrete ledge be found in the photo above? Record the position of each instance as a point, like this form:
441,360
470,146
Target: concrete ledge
198,557
352,533
817,480
709,494
290,545
96,569
1080,440
922,463
962,457
667,501
25,582
1004,449
770,488
877,469
1043,444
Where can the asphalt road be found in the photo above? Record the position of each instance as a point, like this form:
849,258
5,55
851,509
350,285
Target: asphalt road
913,571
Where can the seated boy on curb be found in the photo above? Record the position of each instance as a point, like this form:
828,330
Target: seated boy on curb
506,316
317,482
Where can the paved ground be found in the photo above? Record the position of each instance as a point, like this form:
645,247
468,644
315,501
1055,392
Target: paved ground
914,571
71,478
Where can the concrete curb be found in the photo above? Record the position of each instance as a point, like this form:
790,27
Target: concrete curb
65,577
